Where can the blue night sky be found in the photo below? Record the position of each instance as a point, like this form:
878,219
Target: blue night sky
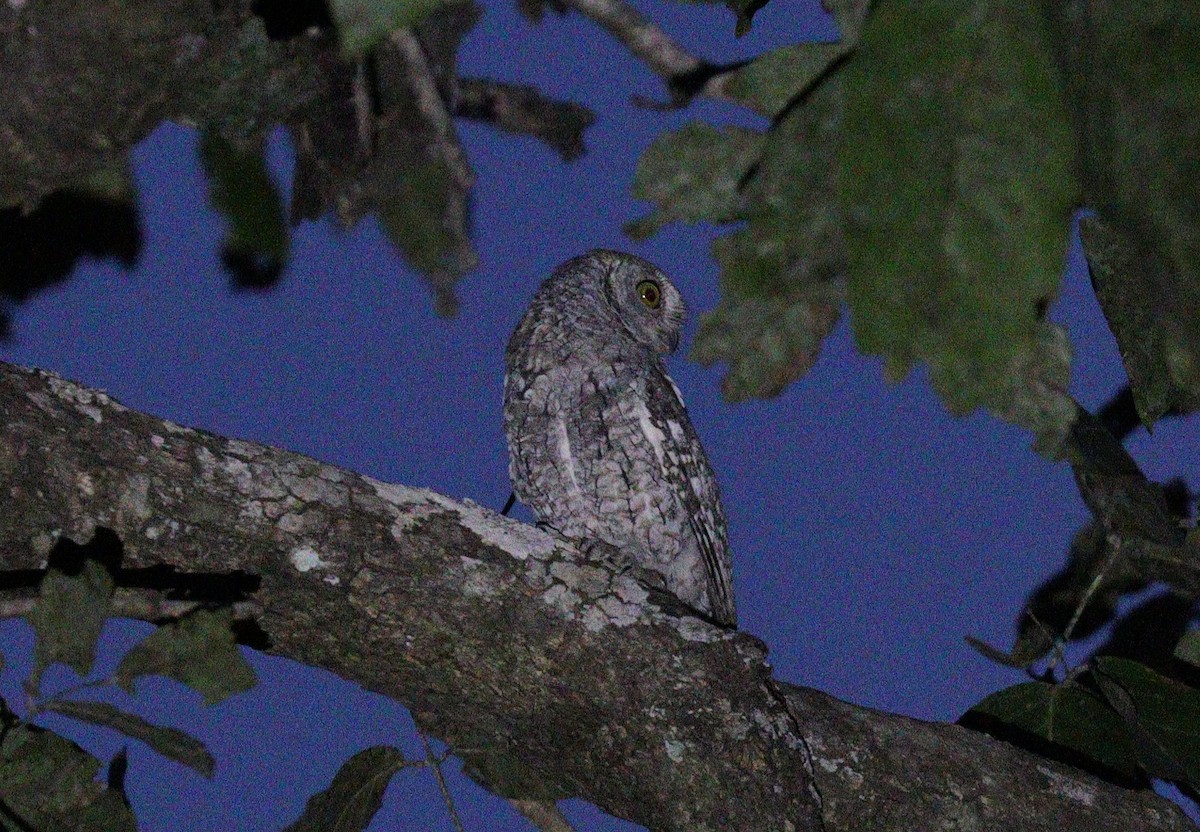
871,530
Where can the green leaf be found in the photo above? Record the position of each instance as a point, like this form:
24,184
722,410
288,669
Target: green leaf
781,271
257,79
1188,648
422,206
769,82
170,742
1135,93
49,783
1131,282
415,216
361,24
355,794
769,341
68,618
241,188
693,174
1065,715
198,650
1162,714
955,175
781,274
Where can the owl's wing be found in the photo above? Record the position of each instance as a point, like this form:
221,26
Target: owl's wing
540,413
686,466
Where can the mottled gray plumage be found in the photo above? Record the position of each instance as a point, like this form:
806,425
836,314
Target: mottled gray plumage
600,445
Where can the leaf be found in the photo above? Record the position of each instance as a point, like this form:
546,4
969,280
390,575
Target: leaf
769,82
1188,648
49,783
68,618
170,742
781,274
1163,716
1129,279
422,206
775,339
693,174
1064,715
241,188
355,794
361,24
1115,489
1135,94
255,76
199,650
955,176
400,158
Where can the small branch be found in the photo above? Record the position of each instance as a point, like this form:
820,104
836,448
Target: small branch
640,36
140,604
523,109
364,110
435,765
543,814
1114,548
685,75
432,106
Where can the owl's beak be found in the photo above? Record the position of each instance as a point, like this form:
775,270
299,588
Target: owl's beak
672,342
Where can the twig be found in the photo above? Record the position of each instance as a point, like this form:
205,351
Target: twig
640,36
140,604
522,109
1057,646
364,115
543,814
686,75
432,106
435,766
1114,548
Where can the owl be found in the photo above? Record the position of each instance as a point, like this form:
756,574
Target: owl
601,448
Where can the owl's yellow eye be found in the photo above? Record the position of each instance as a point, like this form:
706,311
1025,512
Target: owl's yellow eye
650,293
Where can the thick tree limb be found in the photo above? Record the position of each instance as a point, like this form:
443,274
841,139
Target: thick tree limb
550,676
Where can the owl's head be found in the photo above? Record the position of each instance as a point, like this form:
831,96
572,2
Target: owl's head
646,303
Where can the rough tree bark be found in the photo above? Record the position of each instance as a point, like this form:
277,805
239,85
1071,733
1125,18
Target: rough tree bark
548,674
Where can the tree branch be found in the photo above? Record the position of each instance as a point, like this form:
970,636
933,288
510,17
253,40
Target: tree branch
542,814
550,676
685,75
644,39
517,108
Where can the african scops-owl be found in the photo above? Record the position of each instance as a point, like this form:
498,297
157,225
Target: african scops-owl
600,445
